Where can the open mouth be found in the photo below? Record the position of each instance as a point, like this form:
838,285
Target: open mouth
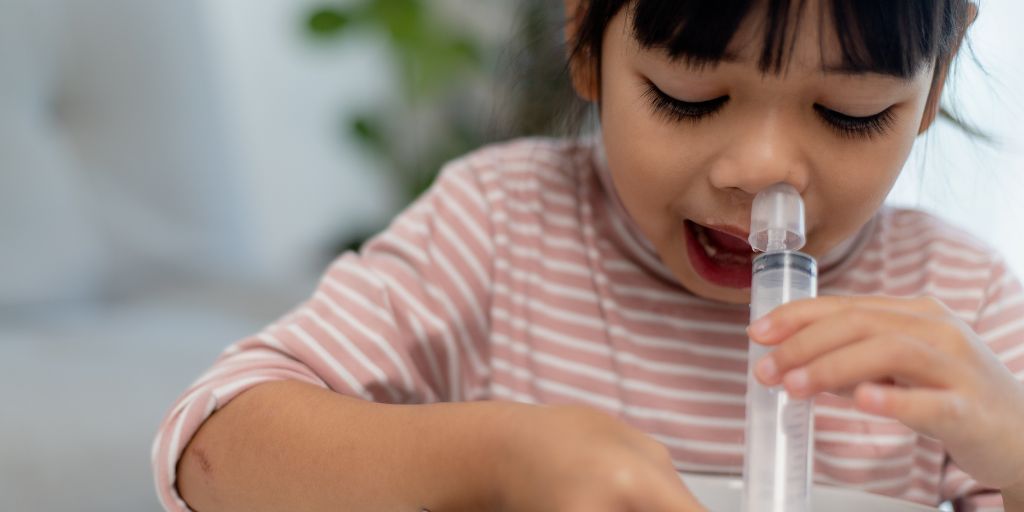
719,257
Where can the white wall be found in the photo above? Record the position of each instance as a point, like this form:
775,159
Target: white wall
112,169
304,183
970,183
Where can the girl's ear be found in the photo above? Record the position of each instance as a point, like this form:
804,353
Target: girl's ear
931,109
582,67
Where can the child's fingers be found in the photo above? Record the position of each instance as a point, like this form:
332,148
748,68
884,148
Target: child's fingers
874,358
791,317
929,411
804,346
835,332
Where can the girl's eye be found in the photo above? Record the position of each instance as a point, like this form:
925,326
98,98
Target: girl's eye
853,127
678,110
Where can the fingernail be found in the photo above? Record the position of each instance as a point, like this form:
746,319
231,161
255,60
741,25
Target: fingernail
760,328
767,370
796,381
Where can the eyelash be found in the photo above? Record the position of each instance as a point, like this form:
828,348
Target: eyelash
851,127
681,111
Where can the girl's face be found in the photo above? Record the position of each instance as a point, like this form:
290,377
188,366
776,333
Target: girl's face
688,148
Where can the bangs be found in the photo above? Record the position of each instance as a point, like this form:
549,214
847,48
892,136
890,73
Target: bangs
892,37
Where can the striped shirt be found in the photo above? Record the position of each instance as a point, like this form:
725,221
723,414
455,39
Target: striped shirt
519,276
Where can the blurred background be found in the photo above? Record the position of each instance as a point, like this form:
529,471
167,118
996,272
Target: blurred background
175,175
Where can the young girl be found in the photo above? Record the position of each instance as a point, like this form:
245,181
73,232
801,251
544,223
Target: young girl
562,324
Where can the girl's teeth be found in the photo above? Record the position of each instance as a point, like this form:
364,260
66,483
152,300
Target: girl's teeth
705,242
702,237
712,251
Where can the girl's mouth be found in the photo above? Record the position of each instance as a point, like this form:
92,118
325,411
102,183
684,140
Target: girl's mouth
718,257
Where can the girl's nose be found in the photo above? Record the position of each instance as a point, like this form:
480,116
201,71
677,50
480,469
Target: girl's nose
764,154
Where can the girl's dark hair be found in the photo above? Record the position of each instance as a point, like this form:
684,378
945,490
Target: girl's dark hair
893,37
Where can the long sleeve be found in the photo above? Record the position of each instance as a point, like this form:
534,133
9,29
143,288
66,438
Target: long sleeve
404,321
1000,325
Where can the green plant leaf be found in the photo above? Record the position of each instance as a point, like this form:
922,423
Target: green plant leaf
328,22
437,64
367,130
404,20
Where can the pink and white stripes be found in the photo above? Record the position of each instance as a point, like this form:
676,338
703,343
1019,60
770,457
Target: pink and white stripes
517,277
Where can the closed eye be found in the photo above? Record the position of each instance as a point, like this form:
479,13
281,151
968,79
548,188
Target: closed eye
852,127
677,110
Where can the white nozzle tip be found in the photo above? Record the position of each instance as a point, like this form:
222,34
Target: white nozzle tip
777,219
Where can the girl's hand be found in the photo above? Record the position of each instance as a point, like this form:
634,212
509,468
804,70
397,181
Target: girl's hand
573,458
907,359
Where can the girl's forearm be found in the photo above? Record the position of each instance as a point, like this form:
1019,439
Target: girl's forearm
293,446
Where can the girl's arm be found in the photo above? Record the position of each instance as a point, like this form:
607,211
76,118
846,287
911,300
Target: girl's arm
293,446
401,322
